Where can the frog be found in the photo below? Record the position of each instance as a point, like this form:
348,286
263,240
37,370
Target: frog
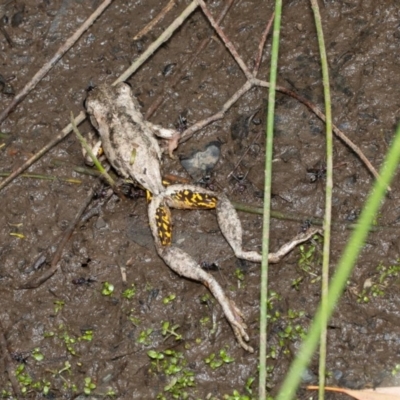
130,144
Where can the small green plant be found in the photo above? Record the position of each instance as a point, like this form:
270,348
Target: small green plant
87,335
144,337
273,315
296,283
5,394
111,393
135,320
236,396
37,355
172,364
205,299
43,386
129,293
168,331
396,369
69,342
68,339
216,361
107,289
89,386
239,274
58,306
310,258
169,298
376,285
249,382
23,378
205,321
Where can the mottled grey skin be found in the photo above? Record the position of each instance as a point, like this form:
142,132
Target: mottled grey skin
131,147
129,141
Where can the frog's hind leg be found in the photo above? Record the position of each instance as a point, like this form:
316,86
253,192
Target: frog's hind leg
183,264
195,197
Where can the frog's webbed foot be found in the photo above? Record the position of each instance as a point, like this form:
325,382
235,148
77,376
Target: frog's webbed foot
184,265
289,246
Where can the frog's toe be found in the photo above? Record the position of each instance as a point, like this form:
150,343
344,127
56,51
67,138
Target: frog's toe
239,327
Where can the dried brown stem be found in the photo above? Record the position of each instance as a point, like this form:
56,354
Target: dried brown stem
227,42
336,130
155,20
50,64
81,117
182,71
262,44
8,362
188,133
36,282
155,45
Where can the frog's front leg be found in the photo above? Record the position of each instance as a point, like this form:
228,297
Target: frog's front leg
183,264
171,135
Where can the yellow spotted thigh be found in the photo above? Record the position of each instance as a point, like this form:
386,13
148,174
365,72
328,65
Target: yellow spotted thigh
192,200
164,226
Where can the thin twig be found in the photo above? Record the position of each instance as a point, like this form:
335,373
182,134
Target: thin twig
45,177
50,64
261,45
8,362
188,133
36,282
180,73
244,153
336,130
155,45
155,20
81,117
227,42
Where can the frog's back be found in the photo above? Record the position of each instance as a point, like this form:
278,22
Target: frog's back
129,144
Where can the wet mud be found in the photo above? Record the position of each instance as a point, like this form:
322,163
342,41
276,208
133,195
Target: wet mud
83,328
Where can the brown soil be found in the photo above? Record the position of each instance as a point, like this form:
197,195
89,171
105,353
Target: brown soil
362,39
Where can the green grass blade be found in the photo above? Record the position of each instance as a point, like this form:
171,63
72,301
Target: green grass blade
267,199
343,270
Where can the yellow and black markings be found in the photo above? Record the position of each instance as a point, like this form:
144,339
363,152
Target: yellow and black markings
192,199
163,220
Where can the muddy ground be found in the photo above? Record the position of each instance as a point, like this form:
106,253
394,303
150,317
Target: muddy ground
362,38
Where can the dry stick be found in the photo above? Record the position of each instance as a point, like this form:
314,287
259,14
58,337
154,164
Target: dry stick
188,133
336,130
36,282
226,41
81,116
262,44
50,64
155,45
181,72
245,152
8,362
155,20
